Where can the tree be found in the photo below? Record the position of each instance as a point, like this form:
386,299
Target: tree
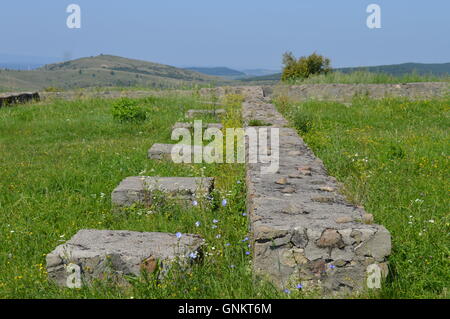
304,67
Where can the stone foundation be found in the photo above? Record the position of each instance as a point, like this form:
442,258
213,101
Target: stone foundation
143,189
7,99
107,254
304,231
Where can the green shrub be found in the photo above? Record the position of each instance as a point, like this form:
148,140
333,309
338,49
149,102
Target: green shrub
302,122
304,67
128,110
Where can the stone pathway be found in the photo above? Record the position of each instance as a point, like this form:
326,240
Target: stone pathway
164,151
304,232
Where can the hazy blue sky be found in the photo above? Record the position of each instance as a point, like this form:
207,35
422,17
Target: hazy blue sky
234,33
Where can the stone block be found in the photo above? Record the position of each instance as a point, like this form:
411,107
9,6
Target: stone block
142,189
107,254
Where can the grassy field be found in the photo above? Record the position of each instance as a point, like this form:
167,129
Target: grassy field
392,156
59,164
355,77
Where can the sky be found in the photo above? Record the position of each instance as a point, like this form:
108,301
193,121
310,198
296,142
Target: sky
241,34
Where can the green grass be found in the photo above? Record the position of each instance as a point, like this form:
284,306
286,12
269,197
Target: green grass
355,77
392,156
59,164
365,77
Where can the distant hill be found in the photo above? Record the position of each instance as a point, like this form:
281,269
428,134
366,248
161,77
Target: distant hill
22,62
436,69
102,71
259,72
218,71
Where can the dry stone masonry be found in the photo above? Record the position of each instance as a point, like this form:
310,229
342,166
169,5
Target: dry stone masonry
143,189
305,232
8,99
106,254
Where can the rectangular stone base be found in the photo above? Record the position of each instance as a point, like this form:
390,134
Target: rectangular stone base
164,151
142,189
101,254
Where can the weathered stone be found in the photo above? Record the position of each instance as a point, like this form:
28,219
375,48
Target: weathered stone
324,231
194,113
330,238
288,190
164,151
8,99
327,189
378,246
344,220
281,181
106,254
142,189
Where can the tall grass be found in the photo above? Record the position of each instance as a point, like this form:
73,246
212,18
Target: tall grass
392,156
365,77
59,164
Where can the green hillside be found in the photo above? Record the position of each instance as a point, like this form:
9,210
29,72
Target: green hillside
103,71
218,71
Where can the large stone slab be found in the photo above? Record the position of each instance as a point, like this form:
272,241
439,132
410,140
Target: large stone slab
100,254
303,230
194,113
190,126
143,189
164,151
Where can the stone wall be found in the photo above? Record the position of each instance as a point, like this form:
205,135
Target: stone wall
8,99
345,92
303,231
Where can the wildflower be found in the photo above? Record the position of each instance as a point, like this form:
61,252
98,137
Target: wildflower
287,291
178,235
244,214
245,239
332,266
232,266
431,221
238,182
299,286
227,244
214,226
247,253
218,236
194,203
215,221
193,255
224,202
197,224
